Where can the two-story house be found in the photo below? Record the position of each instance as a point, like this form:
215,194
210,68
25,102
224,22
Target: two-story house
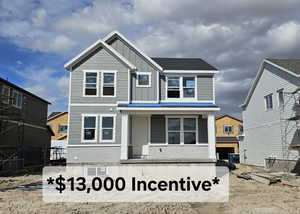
24,134
228,128
58,121
127,107
271,115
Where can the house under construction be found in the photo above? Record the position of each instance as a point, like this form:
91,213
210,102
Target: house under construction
24,135
271,114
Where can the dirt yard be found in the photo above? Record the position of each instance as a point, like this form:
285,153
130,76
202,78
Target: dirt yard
246,196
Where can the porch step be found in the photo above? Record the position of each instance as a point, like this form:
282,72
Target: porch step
174,161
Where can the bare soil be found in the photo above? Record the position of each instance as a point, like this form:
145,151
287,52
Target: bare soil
246,196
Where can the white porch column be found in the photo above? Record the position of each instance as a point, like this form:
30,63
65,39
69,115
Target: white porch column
211,135
124,136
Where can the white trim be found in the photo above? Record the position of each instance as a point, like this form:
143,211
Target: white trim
211,134
110,35
182,131
170,145
167,109
92,47
137,79
115,82
214,90
144,101
124,136
157,86
192,71
96,128
188,101
149,129
129,86
69,107
257,77
114,128
94,104
84,83
94,145
181,98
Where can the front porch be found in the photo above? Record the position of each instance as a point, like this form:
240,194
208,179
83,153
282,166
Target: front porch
168,136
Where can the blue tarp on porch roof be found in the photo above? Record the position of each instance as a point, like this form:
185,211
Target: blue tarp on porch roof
168,105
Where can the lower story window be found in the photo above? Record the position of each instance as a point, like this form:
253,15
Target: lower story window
107,128
182,130
89,128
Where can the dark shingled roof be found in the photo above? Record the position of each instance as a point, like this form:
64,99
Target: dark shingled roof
183,64
54,114
226,139
292,65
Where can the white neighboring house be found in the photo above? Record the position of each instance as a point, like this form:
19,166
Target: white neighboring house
269,134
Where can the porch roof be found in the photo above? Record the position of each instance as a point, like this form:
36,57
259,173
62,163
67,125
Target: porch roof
151,105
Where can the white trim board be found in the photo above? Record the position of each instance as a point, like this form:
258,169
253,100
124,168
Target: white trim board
98,43
257,77
192,71
170,109
94,145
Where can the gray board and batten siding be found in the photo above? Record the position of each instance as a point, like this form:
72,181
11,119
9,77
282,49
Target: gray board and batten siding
137,93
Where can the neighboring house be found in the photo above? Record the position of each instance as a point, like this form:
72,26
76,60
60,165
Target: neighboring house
269,132
58,121
127,107
24,134
228,129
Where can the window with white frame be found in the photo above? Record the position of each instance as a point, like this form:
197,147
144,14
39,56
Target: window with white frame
228,129
143,79
5,94
181,87
269,102
62,128
91,84
17,99
107,128
108,84
89,128
280,97
182,130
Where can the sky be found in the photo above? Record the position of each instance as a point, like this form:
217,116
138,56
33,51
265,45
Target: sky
37,37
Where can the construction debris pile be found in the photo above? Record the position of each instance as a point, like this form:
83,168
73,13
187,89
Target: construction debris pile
268,178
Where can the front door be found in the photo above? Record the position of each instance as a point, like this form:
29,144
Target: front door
139,133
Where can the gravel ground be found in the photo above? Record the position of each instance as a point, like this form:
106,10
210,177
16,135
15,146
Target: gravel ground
245,197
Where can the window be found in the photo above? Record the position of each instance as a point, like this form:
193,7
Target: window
62,128
228,129
269,102
17,99
143,79
108,84
91,84
173,87
182,130
241,129
89,128
107,128
181,87
280,98
5,94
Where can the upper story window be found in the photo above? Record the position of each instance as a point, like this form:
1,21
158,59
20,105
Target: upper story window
62,129
5,94
17,99
280,98
143,79
228,129
241,129
269,102
91,84
181,87
108,84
